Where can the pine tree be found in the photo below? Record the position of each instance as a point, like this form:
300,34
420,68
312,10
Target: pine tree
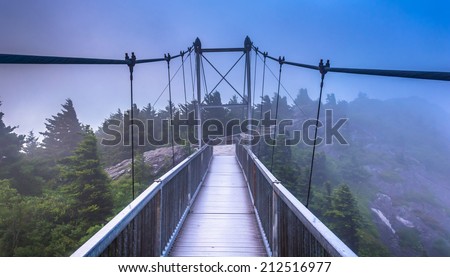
143,175
31,145
10,218
148,112
306,104
63,134
302,98
10,146
344,218
110,139
235,112
215,113
284,110
331,101
86,182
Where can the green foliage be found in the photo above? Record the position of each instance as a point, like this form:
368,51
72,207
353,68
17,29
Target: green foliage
410,238
370,245
215,113
11,144
27,176
121,193
55,195
440,248
390,177
10,218
344,217
63,134
142,171
31,145
85,181
50,208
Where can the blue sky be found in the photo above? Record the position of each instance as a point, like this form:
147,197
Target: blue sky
412,35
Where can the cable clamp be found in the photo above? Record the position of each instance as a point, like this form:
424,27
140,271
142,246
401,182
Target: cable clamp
324,68
131,63
167,57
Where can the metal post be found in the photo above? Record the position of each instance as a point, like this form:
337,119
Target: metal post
198,53
248,48
275,221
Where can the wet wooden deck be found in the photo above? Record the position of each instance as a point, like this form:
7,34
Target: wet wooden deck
222,220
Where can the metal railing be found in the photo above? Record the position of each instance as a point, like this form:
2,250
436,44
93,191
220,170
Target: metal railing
290,229
148,226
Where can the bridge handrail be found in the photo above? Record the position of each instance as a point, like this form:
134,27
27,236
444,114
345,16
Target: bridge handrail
328,241
97,244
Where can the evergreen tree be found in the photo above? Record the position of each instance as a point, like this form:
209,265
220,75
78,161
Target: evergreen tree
111,148
143,176
263,106
284,110
63,134
219,113
10,214
28,176
331,101
148,112
306,104
31,145
86,182
11,144
235,112
188,111
140,168
344,218
303,98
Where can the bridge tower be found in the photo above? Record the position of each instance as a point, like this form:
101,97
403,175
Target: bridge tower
198,54
247,95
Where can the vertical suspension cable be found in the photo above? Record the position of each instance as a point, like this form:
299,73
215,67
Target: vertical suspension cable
167,57
323,70
184,89
204,77
184,78
280,60
254,81
262,97
192,74
131,63
243,91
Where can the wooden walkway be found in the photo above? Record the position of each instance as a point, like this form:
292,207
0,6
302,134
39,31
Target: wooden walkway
222,221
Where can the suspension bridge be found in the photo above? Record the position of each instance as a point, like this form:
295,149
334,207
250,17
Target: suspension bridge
221,200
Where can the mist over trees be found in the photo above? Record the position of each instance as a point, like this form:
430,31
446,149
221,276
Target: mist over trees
55,193
63,134
382,193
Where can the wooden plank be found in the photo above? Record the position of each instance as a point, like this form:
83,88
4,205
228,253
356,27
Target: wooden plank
222,221
225,180
218,238
222,249
194,231
216,254
194,246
